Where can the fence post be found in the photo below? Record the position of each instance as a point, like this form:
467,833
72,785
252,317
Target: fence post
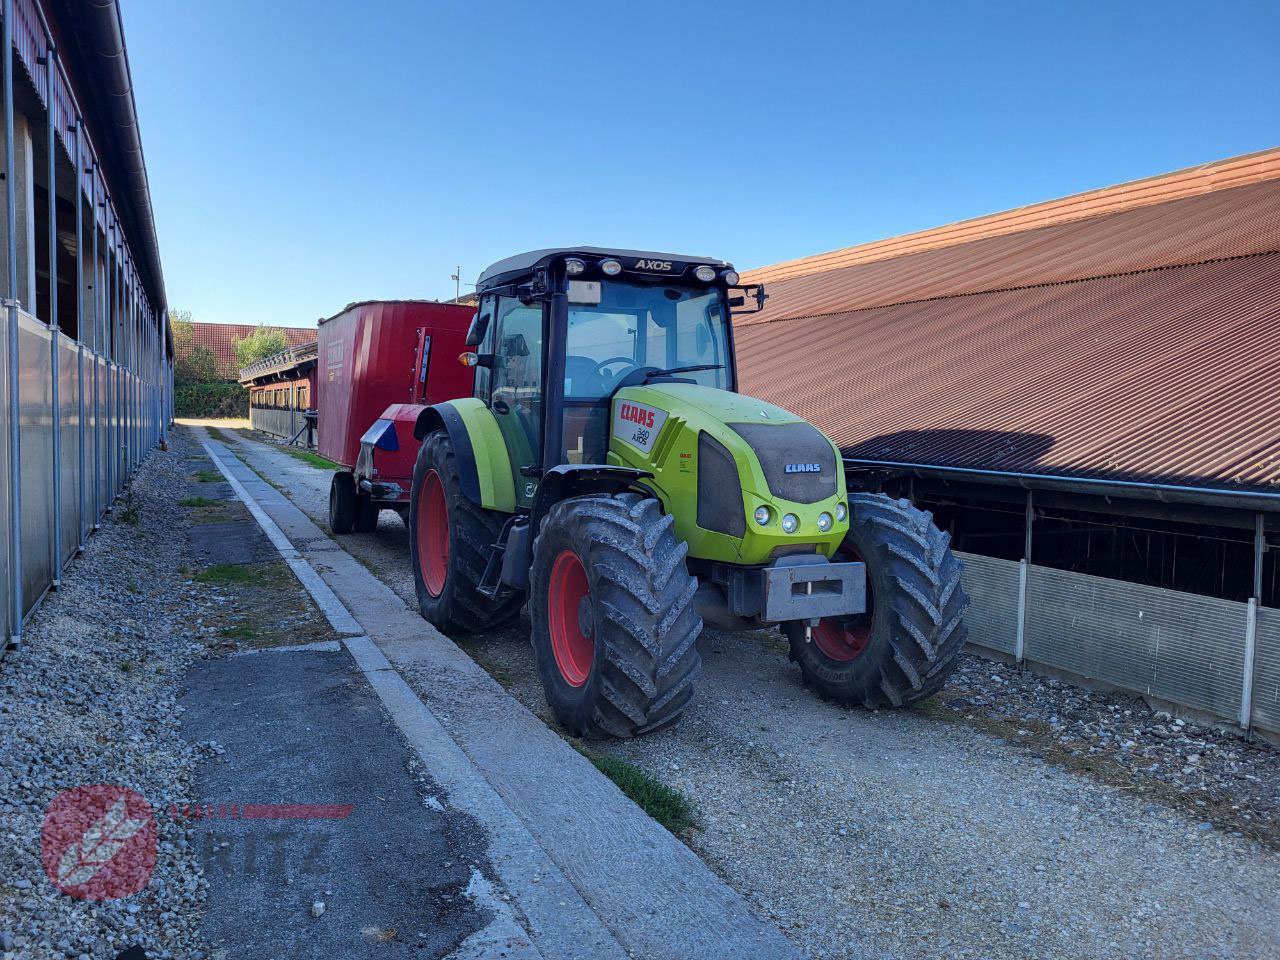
80,318
1251,624
51,115
97,349
11,304
1019,646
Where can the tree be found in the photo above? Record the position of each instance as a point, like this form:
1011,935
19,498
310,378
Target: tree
192,364
263,342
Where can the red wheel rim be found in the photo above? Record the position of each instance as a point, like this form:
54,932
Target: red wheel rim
845,638
568,612
433,533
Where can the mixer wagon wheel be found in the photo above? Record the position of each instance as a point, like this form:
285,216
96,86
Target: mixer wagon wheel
614,627
342,502
449,542
909,640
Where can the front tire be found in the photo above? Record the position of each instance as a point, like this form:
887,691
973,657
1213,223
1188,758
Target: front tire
908,642
449,543
614,628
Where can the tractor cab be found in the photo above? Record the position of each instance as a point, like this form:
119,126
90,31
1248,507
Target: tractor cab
559,332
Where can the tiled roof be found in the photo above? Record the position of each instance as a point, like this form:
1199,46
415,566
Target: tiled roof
1124,340
221,339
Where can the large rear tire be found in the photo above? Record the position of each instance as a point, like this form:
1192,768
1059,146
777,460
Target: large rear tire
449,543
614,627
908,642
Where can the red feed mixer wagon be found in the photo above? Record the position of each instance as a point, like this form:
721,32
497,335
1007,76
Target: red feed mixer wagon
379,364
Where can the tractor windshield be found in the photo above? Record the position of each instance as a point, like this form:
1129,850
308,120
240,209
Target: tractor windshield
645,326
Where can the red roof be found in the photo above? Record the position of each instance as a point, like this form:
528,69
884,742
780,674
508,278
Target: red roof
1128,333
221,339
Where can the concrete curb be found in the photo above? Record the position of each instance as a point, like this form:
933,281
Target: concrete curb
642,888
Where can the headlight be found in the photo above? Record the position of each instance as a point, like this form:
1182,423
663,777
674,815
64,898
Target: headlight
610,267
790,523
824,522
841,512
705,273
573,266
763,516
730,277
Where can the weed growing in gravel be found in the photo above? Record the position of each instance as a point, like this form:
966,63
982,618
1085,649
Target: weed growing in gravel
207,476
229,573
225,436
196,502
306,456
668,806
130,511
238,633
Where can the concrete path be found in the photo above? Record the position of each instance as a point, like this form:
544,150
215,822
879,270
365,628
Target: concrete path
591,875
390,872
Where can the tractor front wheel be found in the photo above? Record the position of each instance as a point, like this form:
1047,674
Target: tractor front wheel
614,628
909,640
449,542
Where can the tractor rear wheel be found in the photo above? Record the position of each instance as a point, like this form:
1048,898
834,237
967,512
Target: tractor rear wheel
614,627
909,640
449,543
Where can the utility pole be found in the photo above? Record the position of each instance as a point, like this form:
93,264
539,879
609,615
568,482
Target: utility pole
457,282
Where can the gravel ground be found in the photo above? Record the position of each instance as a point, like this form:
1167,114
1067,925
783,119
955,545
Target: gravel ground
92,699
945,831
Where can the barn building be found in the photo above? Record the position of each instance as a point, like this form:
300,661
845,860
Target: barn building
282,393
87,368
1084,393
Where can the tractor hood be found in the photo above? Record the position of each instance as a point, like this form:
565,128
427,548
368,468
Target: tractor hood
718,457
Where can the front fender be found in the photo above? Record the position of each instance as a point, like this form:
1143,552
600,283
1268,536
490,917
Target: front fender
484,467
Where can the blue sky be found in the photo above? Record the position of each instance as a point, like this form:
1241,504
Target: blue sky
307,153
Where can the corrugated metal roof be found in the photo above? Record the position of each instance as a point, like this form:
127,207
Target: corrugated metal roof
1211,226
1205,178
1138,345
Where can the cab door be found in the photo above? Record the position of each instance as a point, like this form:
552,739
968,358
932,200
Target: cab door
515,394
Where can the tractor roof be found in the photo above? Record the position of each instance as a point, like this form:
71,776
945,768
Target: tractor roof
511,268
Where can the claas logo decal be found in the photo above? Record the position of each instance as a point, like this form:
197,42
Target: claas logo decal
640,415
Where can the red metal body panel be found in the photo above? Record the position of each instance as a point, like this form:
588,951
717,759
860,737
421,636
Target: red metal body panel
368,360
396,466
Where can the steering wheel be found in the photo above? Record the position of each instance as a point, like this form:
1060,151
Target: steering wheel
610,362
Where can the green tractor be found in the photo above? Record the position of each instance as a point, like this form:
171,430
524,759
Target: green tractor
606,472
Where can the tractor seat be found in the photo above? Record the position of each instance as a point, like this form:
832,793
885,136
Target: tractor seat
582,378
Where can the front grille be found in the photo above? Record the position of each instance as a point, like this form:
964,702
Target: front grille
800,444
719,489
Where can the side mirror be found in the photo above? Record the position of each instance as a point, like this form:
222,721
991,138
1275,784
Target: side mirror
756,291
475,332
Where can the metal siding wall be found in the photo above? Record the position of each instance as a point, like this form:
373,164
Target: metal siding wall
69,401
992,585
1266,671
1176,646
36,391
272,421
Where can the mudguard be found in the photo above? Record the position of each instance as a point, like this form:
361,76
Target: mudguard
484,468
